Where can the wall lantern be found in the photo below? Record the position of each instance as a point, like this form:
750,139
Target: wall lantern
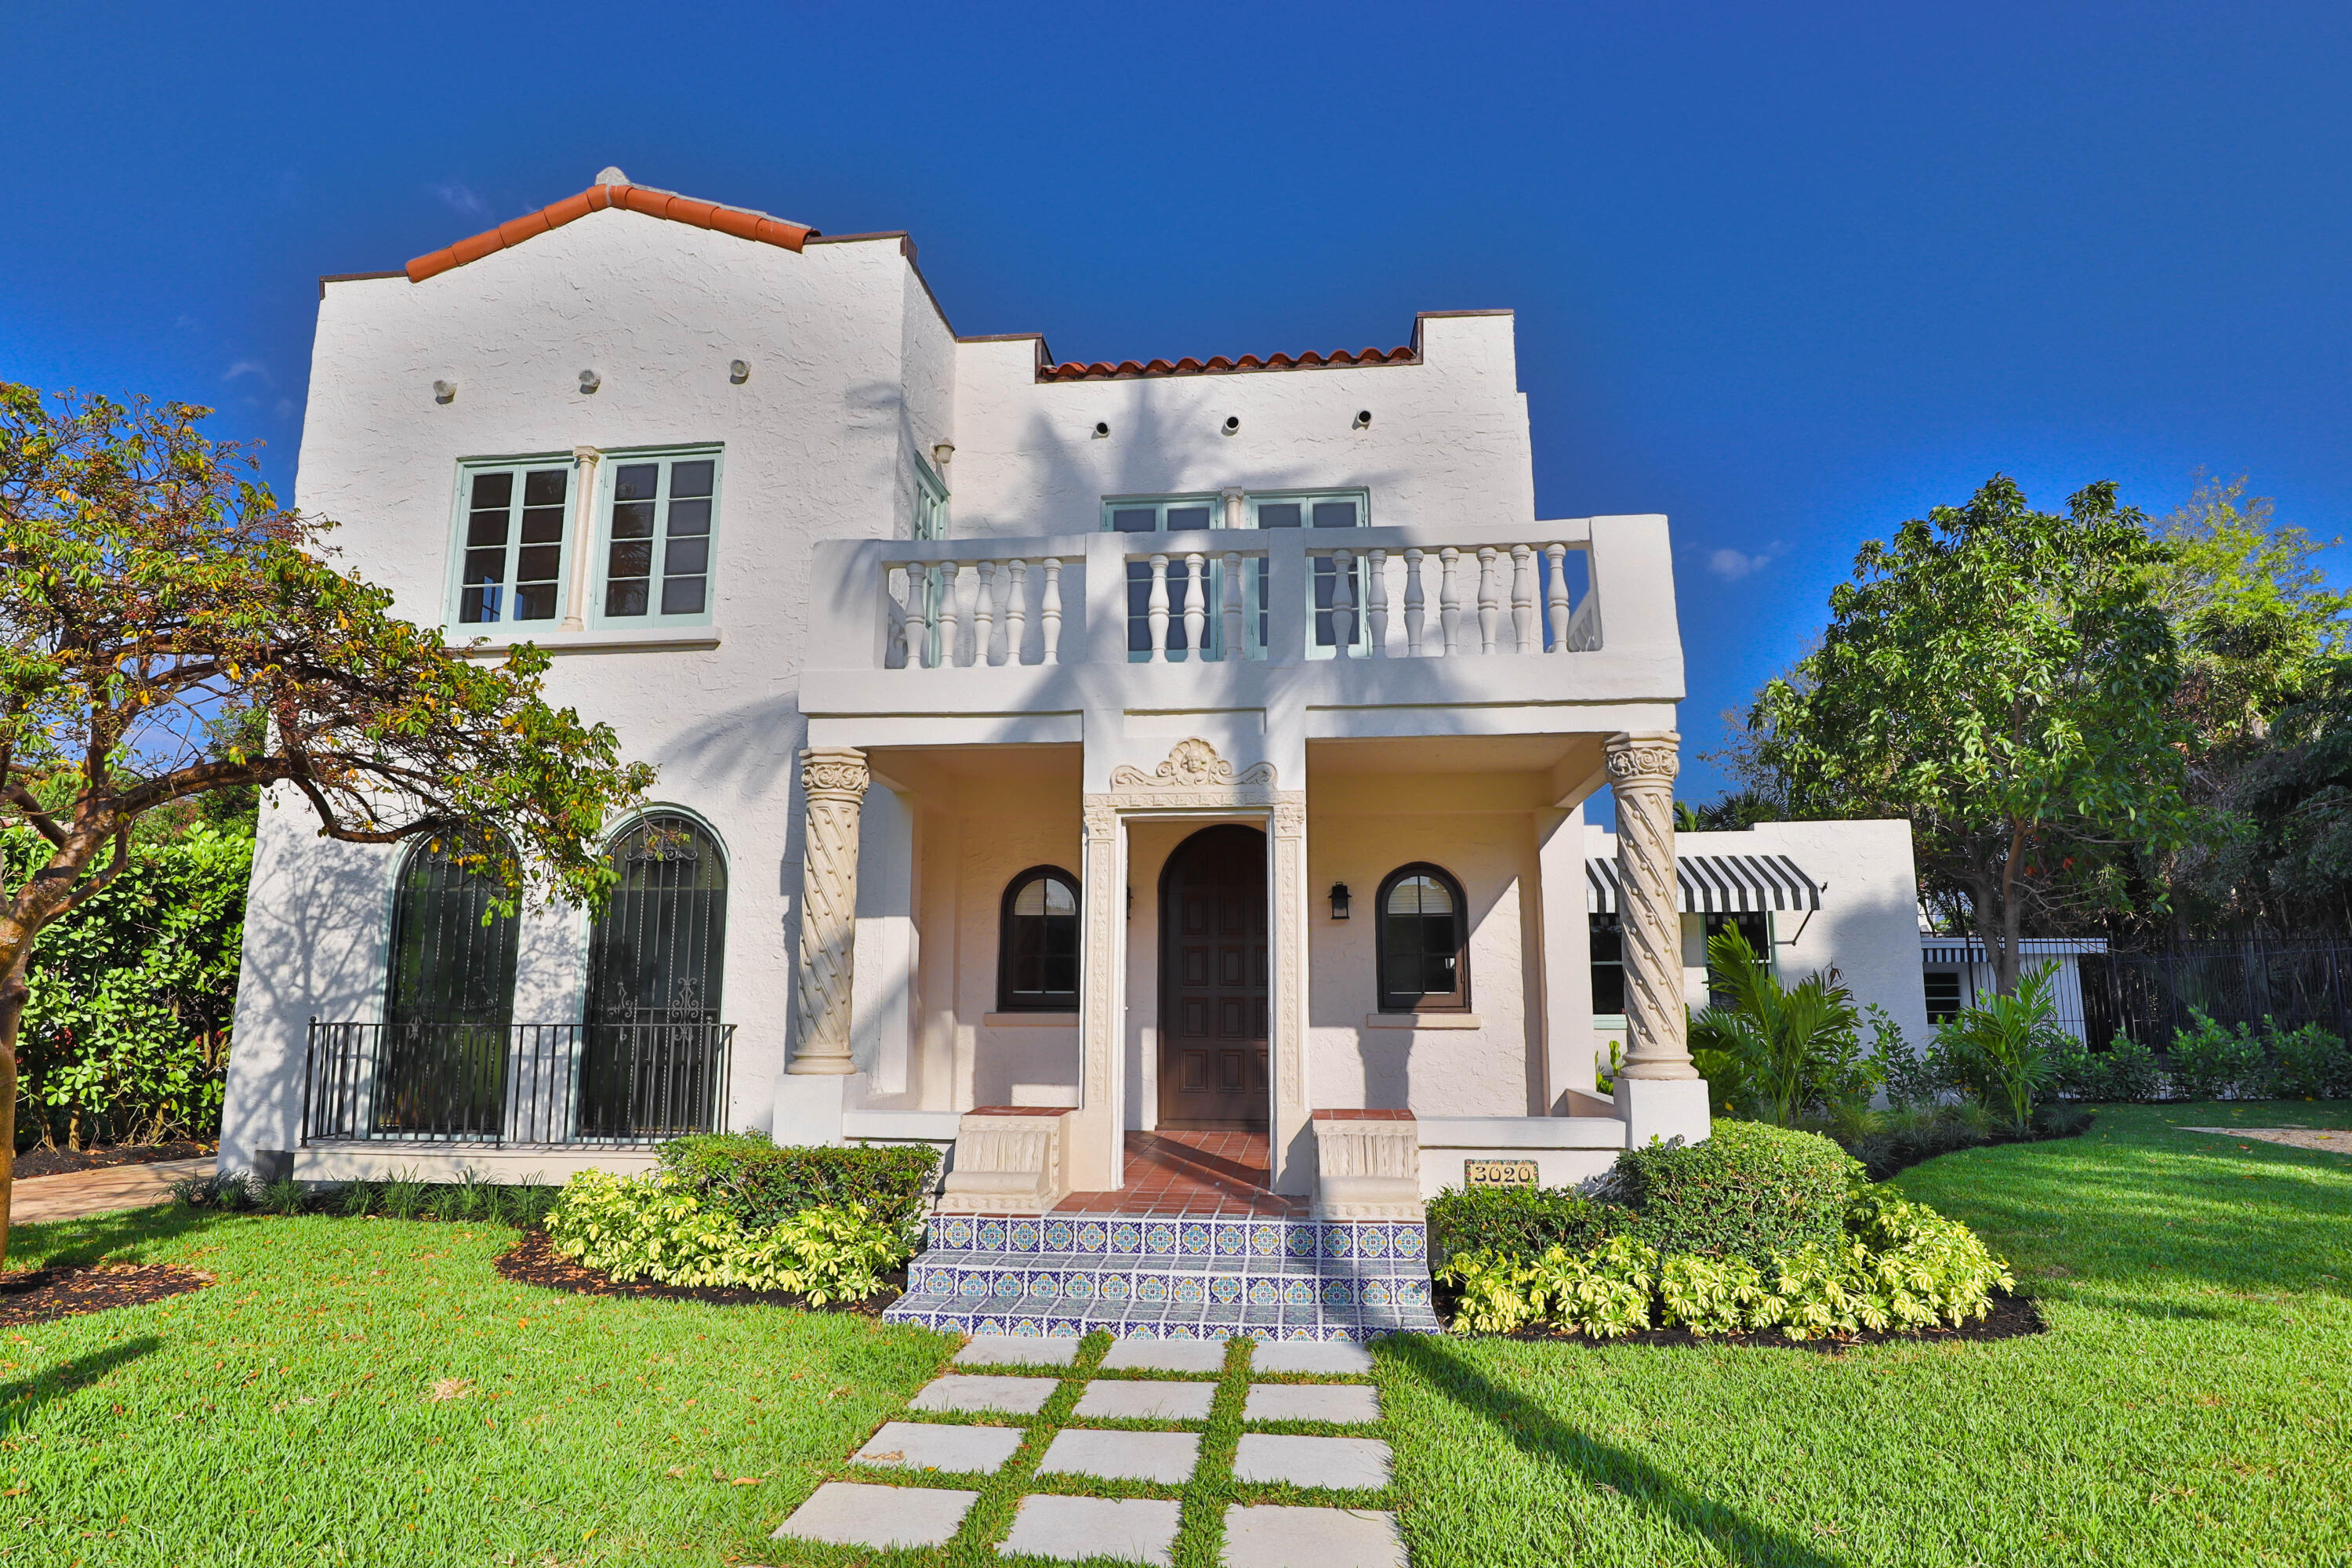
942,454
1339,900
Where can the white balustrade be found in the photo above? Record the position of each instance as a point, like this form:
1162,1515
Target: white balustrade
1415,604
1526,631
1196,606
1235,647
1376,580
1449,600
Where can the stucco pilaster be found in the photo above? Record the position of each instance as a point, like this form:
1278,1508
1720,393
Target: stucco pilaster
832,781
1097,1152
1641,770
1291,1143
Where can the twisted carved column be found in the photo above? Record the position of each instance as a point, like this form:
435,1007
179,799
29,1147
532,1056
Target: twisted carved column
834,781
1641,770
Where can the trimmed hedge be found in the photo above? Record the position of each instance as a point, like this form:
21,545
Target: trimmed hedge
1519,1220
762,1186
1749,1191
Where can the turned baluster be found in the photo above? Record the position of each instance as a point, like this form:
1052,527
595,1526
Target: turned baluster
1155,612
1376,580
1196,606
894,620
1526,629
1343,602
1234,645
1556,596
950,611
1415,606
1016,610
1449,600
984,626
1049,612
1490,603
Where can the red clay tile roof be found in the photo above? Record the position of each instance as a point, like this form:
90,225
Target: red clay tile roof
1103,370
737,221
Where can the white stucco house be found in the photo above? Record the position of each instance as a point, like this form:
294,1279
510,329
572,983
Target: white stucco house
1160,785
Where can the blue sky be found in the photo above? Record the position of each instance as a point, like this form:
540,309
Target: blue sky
1789,274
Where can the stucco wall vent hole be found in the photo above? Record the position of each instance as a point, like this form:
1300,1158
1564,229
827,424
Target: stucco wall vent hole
739,370
445,392
590,381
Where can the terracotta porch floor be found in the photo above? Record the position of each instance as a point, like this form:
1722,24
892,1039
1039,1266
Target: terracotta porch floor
1191,1172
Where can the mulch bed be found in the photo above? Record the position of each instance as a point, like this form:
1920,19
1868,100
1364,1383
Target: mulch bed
45,1295
534,1261
2011,1316
64,1162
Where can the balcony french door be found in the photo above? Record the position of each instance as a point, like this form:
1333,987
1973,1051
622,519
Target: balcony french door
655,964
441,1064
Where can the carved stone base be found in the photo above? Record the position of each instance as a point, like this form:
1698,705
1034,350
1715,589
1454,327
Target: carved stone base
1008,1160
1367,1165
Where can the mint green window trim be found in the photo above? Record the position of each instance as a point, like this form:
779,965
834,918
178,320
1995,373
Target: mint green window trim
1325,512
930,502
1126,515
510,545
656,560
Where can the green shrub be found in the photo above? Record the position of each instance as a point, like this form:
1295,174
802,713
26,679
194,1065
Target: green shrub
1749,1191
1794,1048
2133,1072
659,1228
229,1192
1910,1078
284,1196
2311,1064
1893,1265
762,1184
2005,1047
1521,1221
2213,1062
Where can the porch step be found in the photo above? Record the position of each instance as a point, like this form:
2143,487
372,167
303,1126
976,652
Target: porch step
1169,1276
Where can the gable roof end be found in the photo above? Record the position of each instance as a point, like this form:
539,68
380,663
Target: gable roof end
738,221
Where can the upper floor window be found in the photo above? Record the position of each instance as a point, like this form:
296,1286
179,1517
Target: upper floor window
657,533
1162,514
1037,943
650,563
511,566
1425,957
930,503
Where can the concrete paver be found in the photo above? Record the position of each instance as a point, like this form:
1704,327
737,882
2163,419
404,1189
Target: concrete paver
1345,1403
850,1513
1273,1537
1133,1529
1117,1400
1012,1396
1166,1457
1343,1463
1166,1356
1017,1350
1329,1358
931,1446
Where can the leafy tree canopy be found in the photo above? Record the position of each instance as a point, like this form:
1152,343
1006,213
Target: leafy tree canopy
149,587
2004,678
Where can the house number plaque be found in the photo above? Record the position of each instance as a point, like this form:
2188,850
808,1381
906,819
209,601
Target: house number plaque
1498,1172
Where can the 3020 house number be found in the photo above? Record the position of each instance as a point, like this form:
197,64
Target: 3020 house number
1498,1172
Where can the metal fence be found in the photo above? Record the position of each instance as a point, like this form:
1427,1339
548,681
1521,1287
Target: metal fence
2149,995
515,1083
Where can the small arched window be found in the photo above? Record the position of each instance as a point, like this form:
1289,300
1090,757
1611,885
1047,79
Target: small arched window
1037,943
1425,964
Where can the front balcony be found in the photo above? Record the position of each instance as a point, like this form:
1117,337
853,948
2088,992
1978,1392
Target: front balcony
1542,615
533,1086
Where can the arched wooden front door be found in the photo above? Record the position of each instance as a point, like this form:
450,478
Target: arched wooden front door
1212,980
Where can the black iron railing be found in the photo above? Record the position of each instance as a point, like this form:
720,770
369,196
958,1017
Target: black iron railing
515,1083
2150,995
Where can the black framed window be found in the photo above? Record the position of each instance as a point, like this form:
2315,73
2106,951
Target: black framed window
1037,943
656,962
1756,928
1943,987
1424,962
1608,941
448,997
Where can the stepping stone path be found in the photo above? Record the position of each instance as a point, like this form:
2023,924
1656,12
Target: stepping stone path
1135,1449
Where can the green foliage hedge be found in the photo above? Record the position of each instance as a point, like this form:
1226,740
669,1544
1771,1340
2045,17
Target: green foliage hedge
1519,1220
762,1184
1893,1265
659,1227
125,1033
521,1205
1747,1191
2210,1061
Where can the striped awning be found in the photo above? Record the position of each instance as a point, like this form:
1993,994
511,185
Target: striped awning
1715,884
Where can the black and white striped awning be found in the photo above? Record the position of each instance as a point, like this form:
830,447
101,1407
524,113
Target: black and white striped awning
1715,884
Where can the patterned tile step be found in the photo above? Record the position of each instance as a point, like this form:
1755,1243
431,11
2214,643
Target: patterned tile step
1228,1237
1173,1324
976,1285
1199,1267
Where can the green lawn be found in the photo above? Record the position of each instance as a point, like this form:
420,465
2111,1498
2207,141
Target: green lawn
2192,1404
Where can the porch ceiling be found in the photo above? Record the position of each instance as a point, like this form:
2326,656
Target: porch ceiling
1452,754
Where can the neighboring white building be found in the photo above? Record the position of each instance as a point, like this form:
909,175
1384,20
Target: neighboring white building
976,823
1958,974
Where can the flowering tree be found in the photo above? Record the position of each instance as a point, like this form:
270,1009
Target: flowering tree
149,585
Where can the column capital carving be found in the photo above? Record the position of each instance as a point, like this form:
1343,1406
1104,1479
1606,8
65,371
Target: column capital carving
835,772
1652,757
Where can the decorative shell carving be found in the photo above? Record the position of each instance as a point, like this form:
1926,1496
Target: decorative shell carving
1191,763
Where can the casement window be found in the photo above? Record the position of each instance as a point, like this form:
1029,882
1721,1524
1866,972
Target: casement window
1162,514
1288,509
1344,508
1424,937
511,558
930,519
1037,943
656,517
660,512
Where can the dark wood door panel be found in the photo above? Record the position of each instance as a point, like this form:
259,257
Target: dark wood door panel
1213,975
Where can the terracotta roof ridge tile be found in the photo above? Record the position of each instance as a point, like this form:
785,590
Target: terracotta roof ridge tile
1103,370
742,223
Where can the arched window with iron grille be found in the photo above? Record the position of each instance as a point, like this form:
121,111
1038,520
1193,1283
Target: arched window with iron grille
1037,943
656,959
448,997
1424,934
